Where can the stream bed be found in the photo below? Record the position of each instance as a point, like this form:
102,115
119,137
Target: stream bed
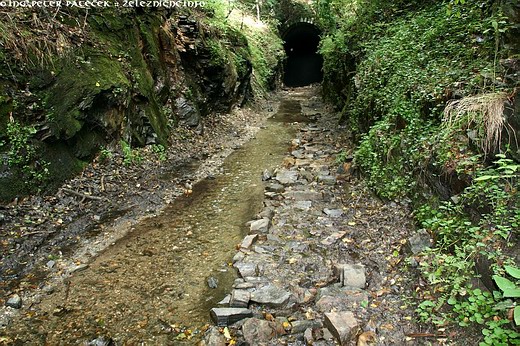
151,287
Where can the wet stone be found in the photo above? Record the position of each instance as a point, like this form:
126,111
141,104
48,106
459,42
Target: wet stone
239,256
343,326
266,175
212,282
270,296
226,316
101,341
267,213
240,298
225,301
15,301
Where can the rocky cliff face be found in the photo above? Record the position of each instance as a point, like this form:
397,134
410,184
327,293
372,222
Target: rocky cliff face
70,87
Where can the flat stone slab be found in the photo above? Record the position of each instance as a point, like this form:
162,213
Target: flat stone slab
286,177
327,180
270,295
343,301
239,299
342,325
261,225
246,268
351,275
334,237
334,213
303,205
304,195
248,241
274,187
226,316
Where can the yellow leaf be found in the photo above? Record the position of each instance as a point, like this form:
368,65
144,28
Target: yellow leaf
227,335
232,342
97,84
351,223
286,325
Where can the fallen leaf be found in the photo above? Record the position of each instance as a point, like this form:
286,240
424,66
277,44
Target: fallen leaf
227,335
367,339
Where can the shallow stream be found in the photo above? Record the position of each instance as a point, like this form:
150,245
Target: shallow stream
151,286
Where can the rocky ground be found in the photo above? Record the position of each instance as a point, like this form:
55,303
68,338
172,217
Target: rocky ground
325,262
67,227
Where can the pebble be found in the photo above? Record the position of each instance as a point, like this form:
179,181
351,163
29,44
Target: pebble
212,282
15,301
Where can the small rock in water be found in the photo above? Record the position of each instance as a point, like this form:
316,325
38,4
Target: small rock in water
212,282
266,175
101,341
15,302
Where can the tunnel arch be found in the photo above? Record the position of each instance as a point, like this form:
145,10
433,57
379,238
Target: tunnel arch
304,63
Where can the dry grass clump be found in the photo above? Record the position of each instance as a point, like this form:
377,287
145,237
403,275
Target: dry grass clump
481,113
32,36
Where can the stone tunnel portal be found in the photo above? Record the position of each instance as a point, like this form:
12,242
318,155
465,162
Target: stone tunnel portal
304,63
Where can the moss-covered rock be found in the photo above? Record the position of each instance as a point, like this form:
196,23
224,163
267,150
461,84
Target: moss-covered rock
128,74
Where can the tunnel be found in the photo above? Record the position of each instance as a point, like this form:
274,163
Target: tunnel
304,64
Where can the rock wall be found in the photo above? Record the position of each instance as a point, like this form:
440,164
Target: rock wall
131,75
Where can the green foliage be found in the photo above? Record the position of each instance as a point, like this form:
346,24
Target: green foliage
130,156
160,150
461,240
22,155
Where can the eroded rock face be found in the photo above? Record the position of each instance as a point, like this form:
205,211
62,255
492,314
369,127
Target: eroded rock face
129,78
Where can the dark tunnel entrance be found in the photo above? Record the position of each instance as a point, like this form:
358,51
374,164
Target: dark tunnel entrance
304,64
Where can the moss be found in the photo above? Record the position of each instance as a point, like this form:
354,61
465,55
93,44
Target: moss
77,85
